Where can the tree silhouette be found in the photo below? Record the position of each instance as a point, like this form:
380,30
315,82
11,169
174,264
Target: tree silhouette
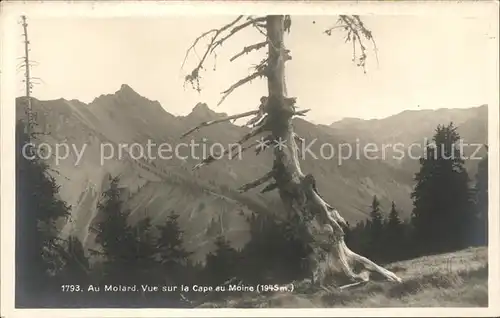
393,219
376,228
443,209
171,253
145,251
38,208
319,225
222,265
272,255
128,250
395,236
76,268
358,237
481,189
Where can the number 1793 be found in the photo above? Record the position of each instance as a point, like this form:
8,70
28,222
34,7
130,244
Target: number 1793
70,288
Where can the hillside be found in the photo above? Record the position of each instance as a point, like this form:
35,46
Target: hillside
457,279
415,127
396,128
205,199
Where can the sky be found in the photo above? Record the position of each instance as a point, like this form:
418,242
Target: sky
422,62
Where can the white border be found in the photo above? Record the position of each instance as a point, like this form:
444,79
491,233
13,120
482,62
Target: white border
10,12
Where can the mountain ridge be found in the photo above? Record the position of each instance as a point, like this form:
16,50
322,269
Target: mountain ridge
404,112
203,197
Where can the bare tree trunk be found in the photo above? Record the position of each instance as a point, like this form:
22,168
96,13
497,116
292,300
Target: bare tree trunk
27,75
321,224
316,223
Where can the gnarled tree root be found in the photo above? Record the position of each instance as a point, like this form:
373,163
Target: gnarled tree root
340,266
330,255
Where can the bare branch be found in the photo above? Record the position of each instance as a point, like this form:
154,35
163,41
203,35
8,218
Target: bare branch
193,46
24,64
255,120
245,138
217,121
204,162
241,82
329,31
257,182
301,112
262,111
236,29
243,149
260,28
254,132
269,188
194,76
261,144
261,121
355,32
248,49
367,34
215,41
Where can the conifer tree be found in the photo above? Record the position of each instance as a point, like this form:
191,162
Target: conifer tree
376,228
172,255
117,238
394,219
395,235
481,188
222,264
443,209
38,208
174,267
358,237
145,251
77,267
272,255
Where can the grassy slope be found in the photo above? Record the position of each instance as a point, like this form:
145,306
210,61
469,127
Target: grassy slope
457,279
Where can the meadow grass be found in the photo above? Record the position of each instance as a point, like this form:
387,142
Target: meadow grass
458,279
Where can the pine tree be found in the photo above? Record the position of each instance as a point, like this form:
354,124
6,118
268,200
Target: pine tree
394,235
174,265
38,208
394,219
481,189
442,200
76,268
221,265
376,217
358,238
171,253
117,238
272,255
376,228
145,251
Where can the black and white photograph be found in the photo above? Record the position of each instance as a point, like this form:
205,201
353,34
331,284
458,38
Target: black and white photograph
213,156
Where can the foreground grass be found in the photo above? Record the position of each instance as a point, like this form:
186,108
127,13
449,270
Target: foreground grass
457,279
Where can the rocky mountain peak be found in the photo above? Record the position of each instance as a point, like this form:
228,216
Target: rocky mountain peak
202,111
127,91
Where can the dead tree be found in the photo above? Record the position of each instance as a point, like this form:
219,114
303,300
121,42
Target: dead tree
29,80
319,224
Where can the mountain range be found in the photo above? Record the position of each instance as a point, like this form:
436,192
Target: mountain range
207,199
